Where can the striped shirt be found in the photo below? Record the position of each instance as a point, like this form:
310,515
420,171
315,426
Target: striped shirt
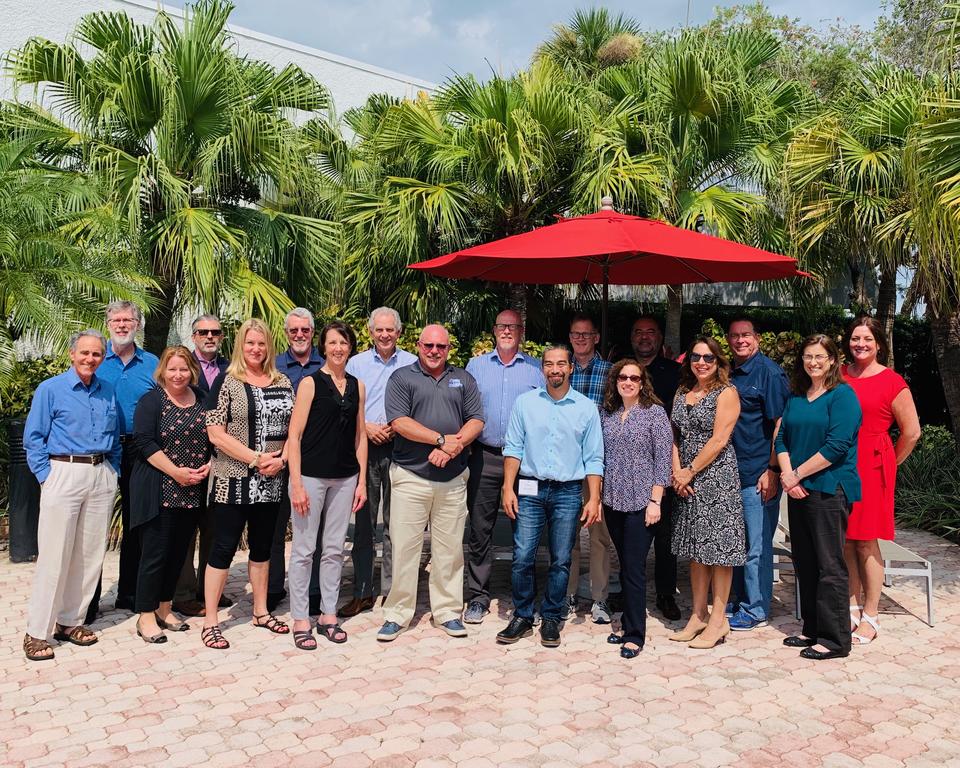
500,385
591,379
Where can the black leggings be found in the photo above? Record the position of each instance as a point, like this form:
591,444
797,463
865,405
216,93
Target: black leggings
164,541
228,523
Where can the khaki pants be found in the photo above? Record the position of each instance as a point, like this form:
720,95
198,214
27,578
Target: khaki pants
414,503
76,503
600,543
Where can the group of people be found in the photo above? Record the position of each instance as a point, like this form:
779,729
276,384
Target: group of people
688,457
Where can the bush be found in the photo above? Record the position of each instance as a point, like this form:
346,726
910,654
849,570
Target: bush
928,485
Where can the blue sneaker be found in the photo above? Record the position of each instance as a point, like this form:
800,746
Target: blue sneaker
389,631
741,622
454,628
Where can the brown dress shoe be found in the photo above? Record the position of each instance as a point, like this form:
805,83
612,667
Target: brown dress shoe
189,608
355,606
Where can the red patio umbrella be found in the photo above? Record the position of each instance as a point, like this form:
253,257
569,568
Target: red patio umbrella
607,248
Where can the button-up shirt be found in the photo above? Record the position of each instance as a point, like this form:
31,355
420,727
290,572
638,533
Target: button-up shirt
374,372
297,371
500,386
764,390
555,439
591,379
69,418
209,369
130,380
637,453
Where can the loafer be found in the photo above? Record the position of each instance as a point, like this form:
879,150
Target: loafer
516,629
356,606
475,612
810,653
550,633
273,600
389,632
797,641
189,608
742,622
667,605
630,653
614,639
454,628
600,612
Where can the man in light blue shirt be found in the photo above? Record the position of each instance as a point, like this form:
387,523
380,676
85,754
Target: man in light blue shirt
374,368
130,370
72,441
554,441
502,376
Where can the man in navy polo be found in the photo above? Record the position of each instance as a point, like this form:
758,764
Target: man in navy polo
763,389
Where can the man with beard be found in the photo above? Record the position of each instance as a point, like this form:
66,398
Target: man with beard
554,442
646,338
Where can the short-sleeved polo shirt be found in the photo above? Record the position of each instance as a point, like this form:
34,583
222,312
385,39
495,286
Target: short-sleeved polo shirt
444,404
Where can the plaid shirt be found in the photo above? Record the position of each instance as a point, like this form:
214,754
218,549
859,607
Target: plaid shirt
592,379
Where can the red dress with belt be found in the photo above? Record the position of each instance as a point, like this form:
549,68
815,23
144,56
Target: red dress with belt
872,516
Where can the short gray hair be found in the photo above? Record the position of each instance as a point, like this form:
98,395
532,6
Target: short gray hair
123,306
385,311
563,347
75,339
302,313
202,319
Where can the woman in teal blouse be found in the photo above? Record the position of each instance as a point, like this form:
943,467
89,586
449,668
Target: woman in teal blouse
817,451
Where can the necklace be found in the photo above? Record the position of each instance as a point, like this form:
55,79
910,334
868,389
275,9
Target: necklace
339,383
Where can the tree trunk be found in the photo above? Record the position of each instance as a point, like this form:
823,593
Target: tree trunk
671,333
157,331
859,301
946,346
887,305
518,300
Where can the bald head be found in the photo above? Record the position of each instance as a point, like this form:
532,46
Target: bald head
433,348
508,334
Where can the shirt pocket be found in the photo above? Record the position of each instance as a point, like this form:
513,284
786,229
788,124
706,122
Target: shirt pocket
109,419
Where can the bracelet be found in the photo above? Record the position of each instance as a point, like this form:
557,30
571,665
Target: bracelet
654,501
255,464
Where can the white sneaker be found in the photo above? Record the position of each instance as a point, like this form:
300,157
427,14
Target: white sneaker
600,612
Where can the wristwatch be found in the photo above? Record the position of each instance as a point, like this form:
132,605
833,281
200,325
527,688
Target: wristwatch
440,441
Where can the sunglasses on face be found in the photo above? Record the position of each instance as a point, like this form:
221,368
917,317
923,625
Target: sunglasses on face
696,357
433,345
634,379
208,332
298,331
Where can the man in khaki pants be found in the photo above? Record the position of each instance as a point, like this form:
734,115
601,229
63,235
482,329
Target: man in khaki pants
72,441
436,411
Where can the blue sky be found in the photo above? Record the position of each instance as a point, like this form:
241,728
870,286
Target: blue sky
432,39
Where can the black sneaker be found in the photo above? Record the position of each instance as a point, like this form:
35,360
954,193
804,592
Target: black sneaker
550,633
517,628
569,607
668,607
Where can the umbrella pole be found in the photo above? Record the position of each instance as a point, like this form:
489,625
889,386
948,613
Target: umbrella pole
604,338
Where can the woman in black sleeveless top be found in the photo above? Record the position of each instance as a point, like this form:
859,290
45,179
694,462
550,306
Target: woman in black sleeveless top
327,451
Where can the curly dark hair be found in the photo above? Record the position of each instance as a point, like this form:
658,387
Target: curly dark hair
800,381
611,398
687,378
873,325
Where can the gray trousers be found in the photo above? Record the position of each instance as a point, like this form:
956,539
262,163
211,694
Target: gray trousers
365,525
331,502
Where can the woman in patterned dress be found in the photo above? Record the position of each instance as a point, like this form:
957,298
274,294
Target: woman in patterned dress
167,486
708,525
248,413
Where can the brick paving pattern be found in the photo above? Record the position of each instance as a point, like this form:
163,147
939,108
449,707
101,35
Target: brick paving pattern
429,700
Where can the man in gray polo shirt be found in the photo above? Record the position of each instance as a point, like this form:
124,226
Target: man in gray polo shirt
436,411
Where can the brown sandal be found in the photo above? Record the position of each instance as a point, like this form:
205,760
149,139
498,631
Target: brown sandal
35,648
212,637
78,635
272,623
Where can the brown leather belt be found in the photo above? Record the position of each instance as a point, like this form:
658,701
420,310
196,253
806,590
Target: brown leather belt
97,458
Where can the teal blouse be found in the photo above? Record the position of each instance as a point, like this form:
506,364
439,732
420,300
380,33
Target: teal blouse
827,426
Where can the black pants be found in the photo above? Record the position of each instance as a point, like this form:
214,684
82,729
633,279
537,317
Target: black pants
278,551
228,523
665,563
631,538
164,542
483,505
190,582
818,529
129,543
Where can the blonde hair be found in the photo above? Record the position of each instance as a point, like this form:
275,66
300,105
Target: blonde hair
177,351
238,366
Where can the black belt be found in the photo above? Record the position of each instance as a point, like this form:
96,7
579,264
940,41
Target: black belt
548,482
96,458
126,439
490,448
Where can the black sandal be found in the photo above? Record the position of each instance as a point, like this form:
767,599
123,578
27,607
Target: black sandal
304,640
212,637
332,632
35,648
272,623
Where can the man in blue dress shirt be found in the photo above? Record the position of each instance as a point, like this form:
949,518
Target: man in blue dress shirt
72,441
554,441
130,370
502,376
374,367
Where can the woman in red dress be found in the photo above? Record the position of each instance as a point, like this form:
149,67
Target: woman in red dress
884,398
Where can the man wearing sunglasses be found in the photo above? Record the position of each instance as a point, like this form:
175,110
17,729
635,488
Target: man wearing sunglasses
436,412
502,376
646,339
207,337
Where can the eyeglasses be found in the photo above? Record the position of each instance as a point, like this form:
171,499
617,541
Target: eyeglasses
815,358
433,345
121,321
308,331
582,334
634,379
696,357
215,332
501,327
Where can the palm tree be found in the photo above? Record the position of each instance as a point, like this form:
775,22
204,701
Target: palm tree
592,41
197,151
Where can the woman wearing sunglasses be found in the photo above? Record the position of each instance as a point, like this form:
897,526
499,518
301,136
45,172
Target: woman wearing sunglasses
637,445
817,450
708,525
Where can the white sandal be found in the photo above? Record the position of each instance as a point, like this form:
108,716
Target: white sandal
856,611
873,621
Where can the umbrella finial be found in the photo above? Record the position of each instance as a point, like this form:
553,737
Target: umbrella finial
606,203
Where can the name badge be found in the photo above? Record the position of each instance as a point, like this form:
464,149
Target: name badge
455,383
528,488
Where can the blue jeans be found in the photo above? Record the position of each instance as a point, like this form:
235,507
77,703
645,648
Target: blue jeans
556,505
753,582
